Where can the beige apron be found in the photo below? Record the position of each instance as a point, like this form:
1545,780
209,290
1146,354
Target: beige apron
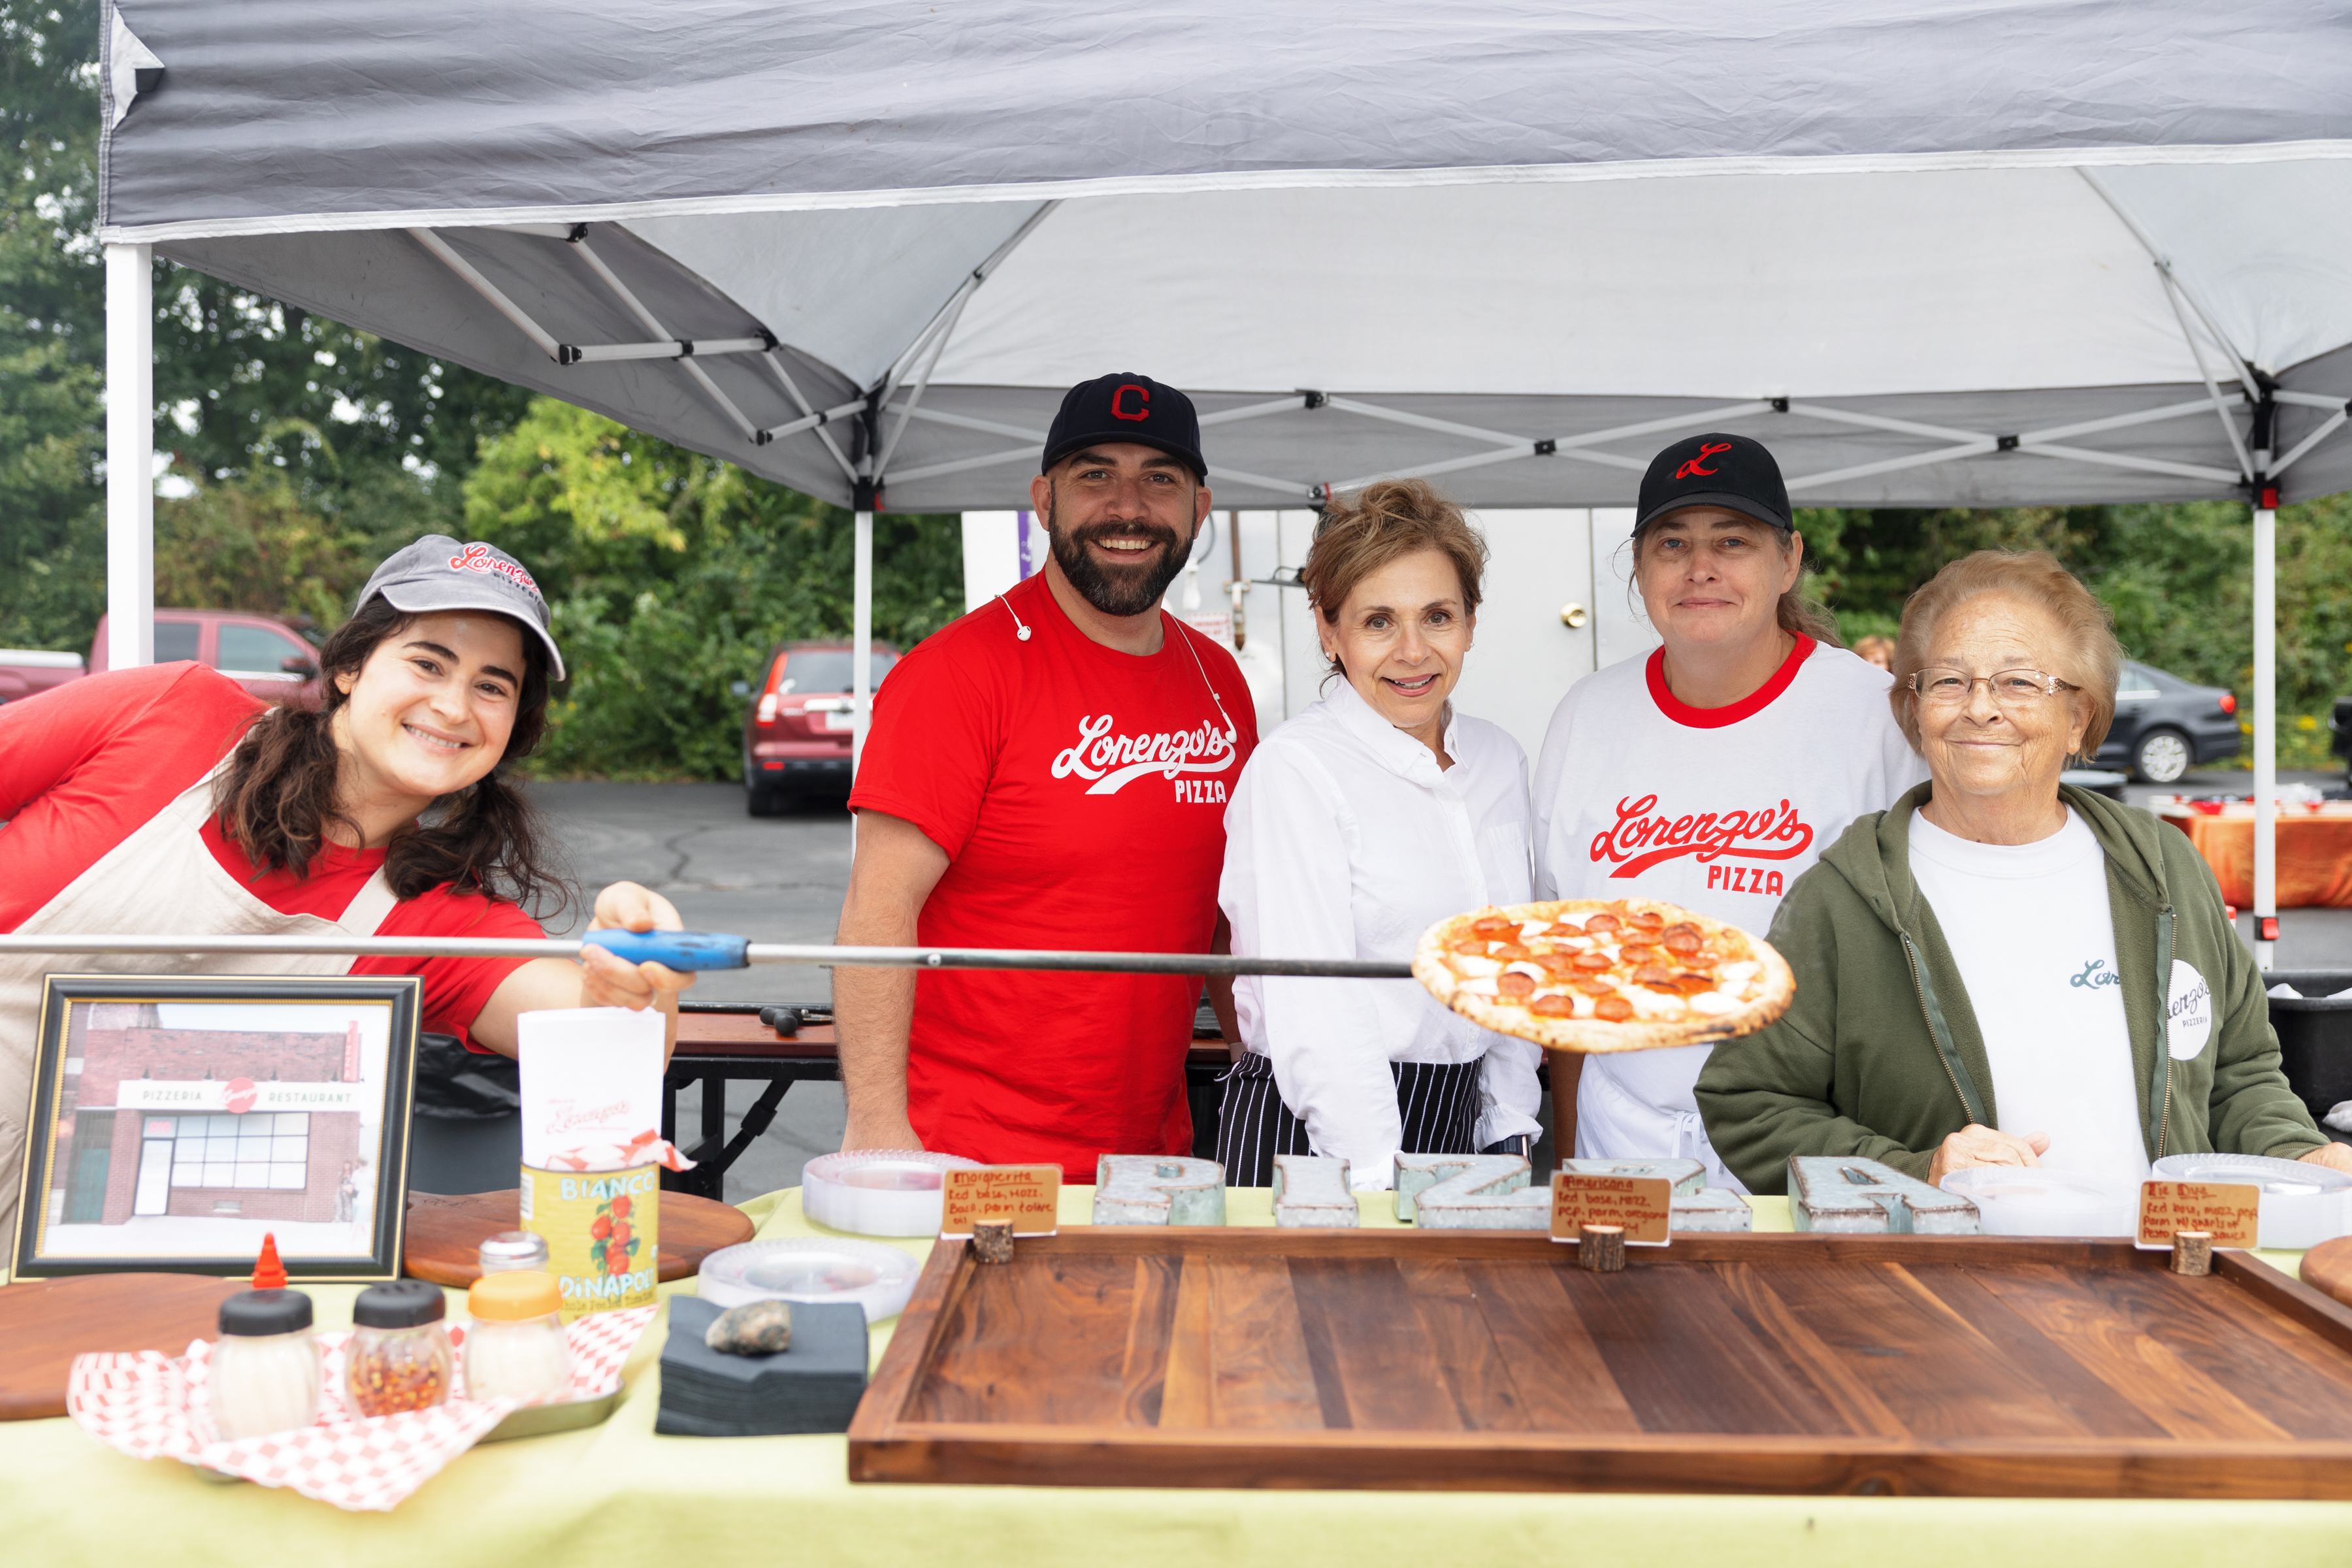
162,880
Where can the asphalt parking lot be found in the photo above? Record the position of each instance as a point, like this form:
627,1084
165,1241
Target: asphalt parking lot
781,879
772,878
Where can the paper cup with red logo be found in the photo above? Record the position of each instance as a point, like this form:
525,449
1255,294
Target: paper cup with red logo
593,1151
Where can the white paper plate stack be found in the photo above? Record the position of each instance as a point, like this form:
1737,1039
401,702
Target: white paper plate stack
2013,1201
2303,1205
878,1192
811,1269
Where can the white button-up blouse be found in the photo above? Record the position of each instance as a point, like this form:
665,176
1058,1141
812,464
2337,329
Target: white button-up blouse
1345,839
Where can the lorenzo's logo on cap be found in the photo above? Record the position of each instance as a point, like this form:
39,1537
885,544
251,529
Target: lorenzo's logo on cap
478,558
1707,449
1119,403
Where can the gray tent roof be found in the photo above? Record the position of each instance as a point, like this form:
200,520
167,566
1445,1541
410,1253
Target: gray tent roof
1475,231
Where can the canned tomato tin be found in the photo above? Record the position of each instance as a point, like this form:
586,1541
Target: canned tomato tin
603,1230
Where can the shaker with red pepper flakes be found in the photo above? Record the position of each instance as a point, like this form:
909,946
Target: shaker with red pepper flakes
399,1356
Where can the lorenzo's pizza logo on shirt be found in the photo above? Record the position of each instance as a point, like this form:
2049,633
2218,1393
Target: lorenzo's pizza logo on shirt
1115,761
1643,836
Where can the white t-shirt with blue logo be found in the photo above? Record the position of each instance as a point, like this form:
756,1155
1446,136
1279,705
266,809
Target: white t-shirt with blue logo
2029,929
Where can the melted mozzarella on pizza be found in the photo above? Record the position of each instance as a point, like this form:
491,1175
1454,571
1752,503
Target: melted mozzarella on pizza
1685,953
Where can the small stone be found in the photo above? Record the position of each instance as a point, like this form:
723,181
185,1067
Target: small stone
755,1328
992,1240
2192,1252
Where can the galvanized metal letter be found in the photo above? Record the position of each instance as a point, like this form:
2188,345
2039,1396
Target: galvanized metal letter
1313,1190
1470,1191
1862,1197
1159,1189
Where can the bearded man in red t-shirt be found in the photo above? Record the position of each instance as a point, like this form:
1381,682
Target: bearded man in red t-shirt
1051,770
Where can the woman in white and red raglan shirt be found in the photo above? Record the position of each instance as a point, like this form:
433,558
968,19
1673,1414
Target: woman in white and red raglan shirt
165,800
1714,772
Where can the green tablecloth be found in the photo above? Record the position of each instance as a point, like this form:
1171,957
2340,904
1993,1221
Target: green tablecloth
616,1494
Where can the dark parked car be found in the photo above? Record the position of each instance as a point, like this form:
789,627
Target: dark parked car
2341,743
2164,726
797,731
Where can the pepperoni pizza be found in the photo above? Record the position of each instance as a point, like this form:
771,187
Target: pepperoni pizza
1582,975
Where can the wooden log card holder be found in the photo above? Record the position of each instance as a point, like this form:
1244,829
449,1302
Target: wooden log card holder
1446,1359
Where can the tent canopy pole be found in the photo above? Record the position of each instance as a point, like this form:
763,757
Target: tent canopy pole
2265,714
129,456
861,639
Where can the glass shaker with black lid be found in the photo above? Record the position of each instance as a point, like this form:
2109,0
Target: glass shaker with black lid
398,1358
263,1375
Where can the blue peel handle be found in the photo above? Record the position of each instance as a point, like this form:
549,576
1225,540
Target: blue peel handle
683,950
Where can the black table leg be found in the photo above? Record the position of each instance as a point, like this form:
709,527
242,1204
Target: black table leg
714,1111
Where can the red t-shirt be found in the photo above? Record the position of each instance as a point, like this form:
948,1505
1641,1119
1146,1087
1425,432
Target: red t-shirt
1080,796
85,764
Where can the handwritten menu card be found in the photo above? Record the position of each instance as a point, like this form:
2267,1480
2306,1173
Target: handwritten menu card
1028,1195
1644,1205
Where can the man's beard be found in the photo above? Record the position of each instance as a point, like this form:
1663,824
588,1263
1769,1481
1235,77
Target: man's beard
1119,590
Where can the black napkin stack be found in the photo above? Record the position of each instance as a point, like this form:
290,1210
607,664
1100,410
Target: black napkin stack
813,1387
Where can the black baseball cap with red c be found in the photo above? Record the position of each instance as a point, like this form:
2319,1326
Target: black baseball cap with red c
1126,407
1735,472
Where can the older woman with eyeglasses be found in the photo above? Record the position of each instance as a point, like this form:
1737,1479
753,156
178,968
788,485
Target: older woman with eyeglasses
2001,970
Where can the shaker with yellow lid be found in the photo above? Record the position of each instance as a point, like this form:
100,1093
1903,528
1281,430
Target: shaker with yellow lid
515,1347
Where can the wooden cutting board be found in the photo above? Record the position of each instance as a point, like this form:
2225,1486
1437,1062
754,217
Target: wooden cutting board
45,1323
1250,1356
2328,1266
444,1235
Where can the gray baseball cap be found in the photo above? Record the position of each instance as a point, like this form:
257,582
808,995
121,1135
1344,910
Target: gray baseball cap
437,573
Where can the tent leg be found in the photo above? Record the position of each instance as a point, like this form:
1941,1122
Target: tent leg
2265,725
861,637
129,458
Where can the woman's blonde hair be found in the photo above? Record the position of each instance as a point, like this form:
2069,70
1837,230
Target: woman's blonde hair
2088,657
1384,523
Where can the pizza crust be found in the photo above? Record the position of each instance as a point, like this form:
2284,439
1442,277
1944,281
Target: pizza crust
1433,965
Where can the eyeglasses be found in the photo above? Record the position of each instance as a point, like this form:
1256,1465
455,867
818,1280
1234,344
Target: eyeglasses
1944,687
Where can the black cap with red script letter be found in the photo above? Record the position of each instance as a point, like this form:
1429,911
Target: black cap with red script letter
1732,471
1126,407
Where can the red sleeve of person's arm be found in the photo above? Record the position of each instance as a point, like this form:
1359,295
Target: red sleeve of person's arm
45,739
456,989
933,745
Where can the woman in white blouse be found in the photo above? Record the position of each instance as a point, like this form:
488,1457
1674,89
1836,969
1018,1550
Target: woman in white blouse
1356,824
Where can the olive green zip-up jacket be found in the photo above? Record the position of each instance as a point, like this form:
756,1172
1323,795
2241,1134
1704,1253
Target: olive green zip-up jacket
1880,1055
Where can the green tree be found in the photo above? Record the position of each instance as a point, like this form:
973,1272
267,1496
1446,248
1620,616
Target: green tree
52,525
2178,579
246,384
672,574
286,430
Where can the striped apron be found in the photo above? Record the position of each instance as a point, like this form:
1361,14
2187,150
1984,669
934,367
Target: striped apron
1438,1102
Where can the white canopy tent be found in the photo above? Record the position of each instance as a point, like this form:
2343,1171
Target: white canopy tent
1967,252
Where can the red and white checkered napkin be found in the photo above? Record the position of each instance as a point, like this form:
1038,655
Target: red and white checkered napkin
150,1406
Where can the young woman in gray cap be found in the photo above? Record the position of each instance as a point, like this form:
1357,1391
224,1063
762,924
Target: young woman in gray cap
1713,772
164,800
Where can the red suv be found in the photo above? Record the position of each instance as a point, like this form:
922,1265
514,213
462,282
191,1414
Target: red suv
267,658
796,734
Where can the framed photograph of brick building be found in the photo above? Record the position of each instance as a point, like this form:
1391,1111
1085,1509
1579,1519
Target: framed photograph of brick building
177,1119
